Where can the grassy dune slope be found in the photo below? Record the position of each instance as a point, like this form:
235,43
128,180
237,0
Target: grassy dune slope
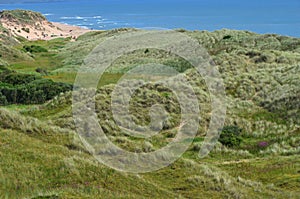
42,157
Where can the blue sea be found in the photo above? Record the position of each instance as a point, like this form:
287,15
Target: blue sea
261,16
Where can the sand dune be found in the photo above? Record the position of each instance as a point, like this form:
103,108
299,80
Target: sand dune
42,29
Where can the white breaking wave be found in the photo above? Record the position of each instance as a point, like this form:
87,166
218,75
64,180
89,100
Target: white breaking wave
82,18
107,22
77,17
91,24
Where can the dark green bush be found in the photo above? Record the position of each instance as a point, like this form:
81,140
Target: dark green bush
18,78
16,88
34,49
3,69
49,88
230,136
3,100
41,71
261,59
26,30
227,37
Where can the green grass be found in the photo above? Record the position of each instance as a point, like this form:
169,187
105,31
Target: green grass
69,77
45,60
41,156
49,169
283,172
19,107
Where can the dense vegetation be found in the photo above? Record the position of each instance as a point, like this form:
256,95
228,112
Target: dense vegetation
19,88
257,155
230,136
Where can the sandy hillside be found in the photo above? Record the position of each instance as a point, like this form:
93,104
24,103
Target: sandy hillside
34,26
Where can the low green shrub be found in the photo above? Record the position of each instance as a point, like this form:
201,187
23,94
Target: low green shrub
227,37
18,78
3,100
17,88
34,49
230,136
26,30
41,71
